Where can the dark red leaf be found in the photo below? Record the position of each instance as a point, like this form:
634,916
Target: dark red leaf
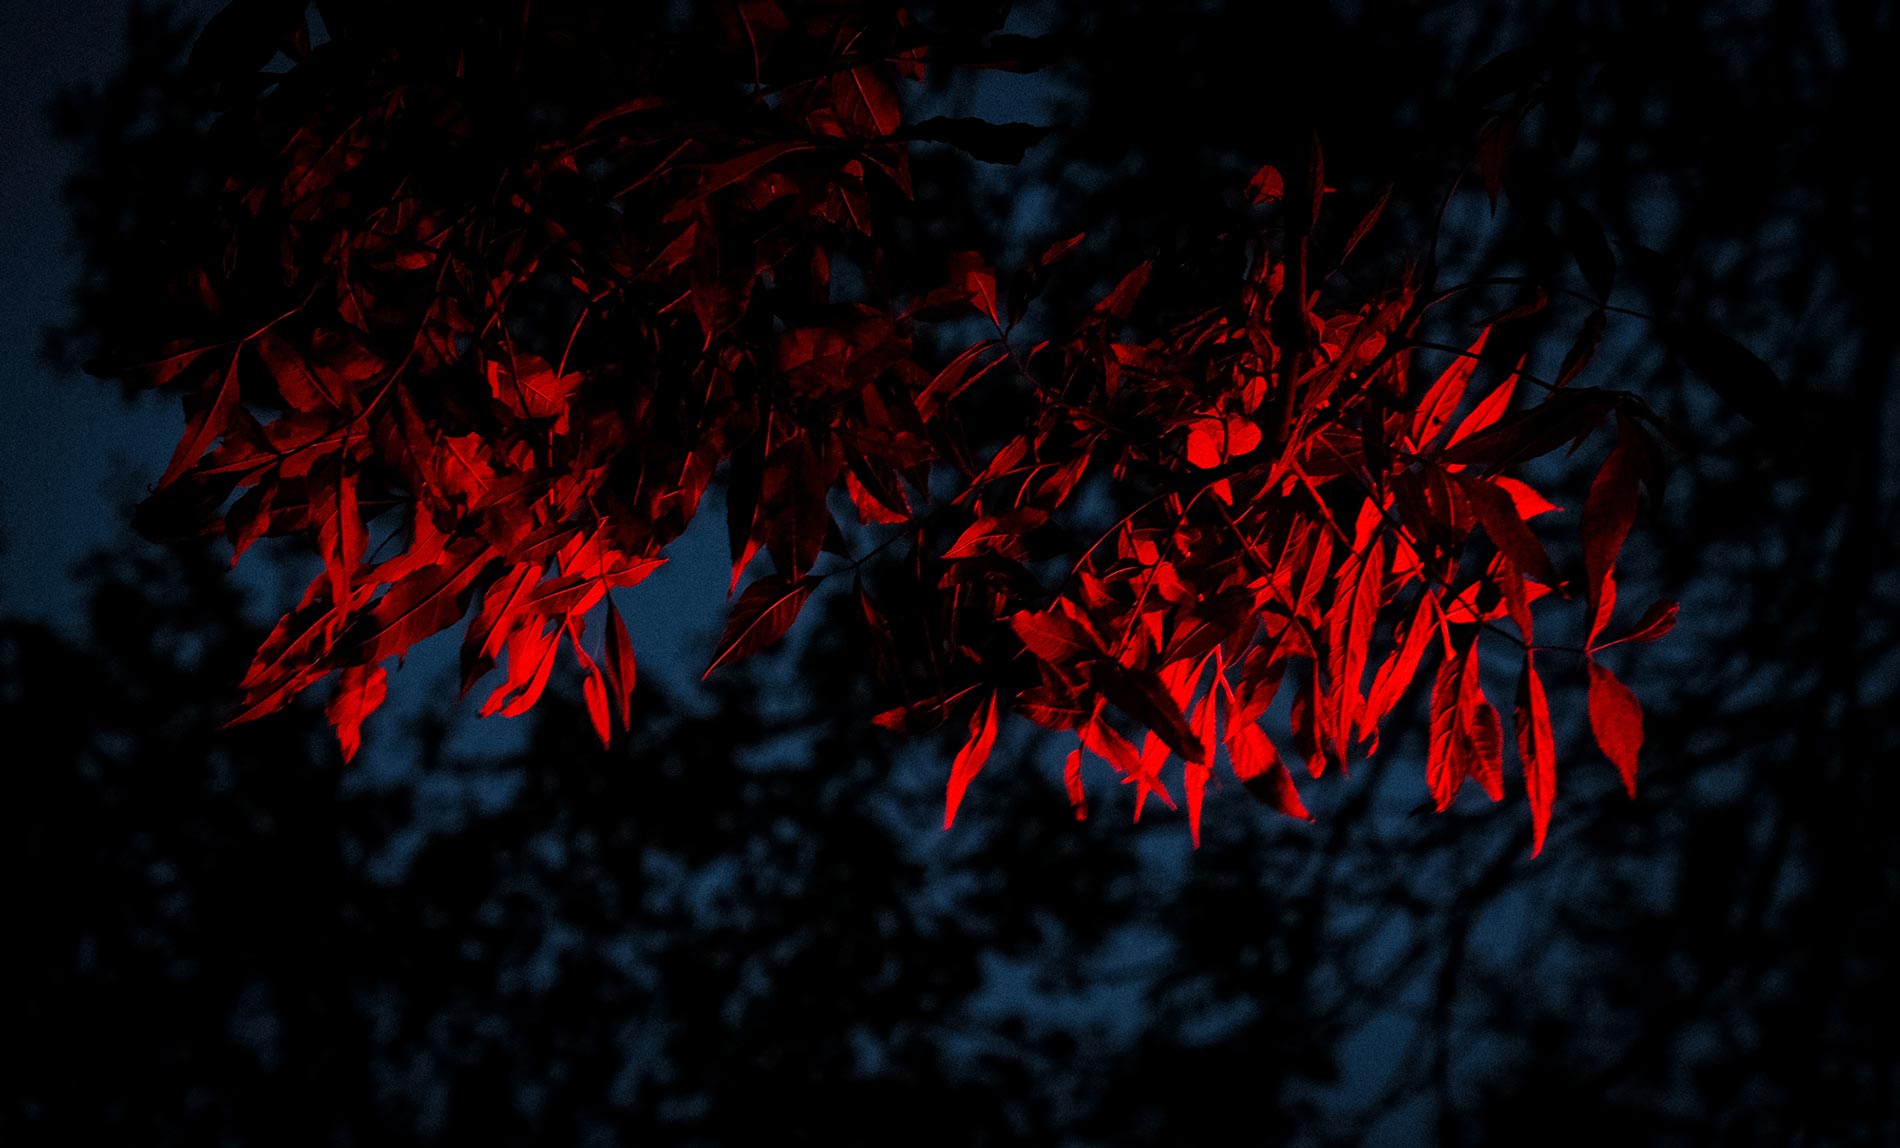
211,414
980,139
1735,373
1059,250
761,617
1120,302
618,658
1266,186
1508,531
1589,337
1656,621
1608,513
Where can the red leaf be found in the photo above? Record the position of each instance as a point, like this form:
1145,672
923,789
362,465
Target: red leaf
1616,718
1445,395
618,657
1608,513
957,375
1497,513
531,651
1490,409
970,759
723,175
1349,625
1000,534
359,690
1365,224
1101,739
1656,621
1072,780
1060,249
1389,684
1467,735
206,423
1120,302
761,616
875,506
1442,769
1055,637
1258,766
1483,748
1195,775
594,694
1141,696
1528,501
1312,733
1536,750
303,389
868,103
423,602
341,538
1266,186
501,603
972,284
1194,781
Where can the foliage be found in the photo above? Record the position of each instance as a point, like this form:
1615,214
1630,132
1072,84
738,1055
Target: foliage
486,301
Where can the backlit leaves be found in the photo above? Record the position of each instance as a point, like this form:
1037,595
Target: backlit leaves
492,384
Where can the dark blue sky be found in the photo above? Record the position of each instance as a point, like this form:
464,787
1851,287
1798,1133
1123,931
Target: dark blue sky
63,439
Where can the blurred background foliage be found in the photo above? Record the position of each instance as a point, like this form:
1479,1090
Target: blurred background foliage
741,922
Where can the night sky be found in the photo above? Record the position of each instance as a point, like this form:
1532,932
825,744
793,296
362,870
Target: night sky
74,448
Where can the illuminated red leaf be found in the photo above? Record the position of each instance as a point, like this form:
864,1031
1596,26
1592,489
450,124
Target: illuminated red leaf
1055,637
1536,750
359,691
1490,409
1072,781
1395,675
970,759
1442,400
1258,766
1616,718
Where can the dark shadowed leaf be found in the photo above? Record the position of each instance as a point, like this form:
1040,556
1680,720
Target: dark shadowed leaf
991,143
761,616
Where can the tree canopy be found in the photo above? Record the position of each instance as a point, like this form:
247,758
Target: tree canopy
736,921
481,301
